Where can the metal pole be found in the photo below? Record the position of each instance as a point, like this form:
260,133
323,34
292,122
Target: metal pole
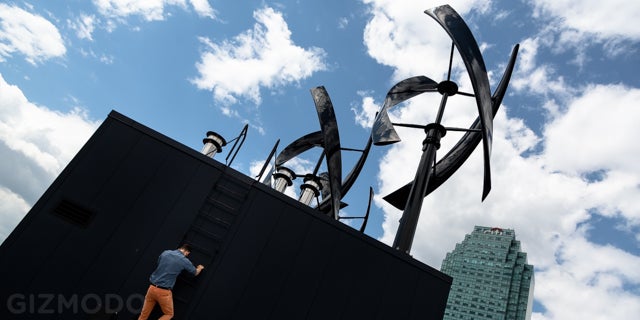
411,214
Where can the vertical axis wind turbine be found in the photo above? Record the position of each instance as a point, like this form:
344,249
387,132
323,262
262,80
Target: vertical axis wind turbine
430,175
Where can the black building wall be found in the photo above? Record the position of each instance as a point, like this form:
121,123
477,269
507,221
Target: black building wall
87,247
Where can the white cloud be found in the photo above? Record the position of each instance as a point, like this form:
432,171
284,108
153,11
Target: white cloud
343,23
84,26
203,8
392,43
150,10
596,127
573,145
527,54
256,166
12,208
608,19
103,58
28,34
367,113
591,273
535,78
35,145
407,39
262,57
582,26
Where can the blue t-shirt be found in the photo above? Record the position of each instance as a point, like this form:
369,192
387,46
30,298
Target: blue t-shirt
170,264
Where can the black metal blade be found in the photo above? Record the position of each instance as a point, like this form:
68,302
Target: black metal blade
366,216
348,182
299,146
382,131
468,48
329,128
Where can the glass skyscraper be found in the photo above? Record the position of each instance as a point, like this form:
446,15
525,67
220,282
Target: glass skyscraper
491,277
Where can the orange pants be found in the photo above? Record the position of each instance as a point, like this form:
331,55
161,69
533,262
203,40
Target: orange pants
163,297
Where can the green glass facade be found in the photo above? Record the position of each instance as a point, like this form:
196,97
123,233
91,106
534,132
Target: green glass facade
491,277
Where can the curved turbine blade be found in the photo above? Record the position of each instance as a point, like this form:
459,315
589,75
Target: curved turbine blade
299,146
501,89
467,46
348,182
366,216
382,131
450,163
331,138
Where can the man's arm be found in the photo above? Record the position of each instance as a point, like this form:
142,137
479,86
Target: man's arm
188,266
199,269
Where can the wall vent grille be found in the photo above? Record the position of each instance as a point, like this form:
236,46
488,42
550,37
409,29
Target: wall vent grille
73,213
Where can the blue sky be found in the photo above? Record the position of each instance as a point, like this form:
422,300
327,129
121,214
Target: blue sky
565,174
